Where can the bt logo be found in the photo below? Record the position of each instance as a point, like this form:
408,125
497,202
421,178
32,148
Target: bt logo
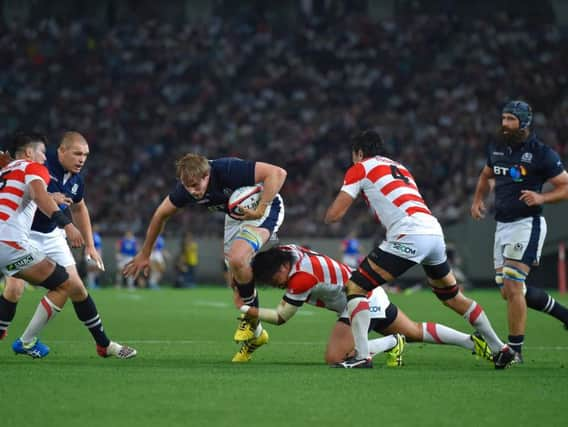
515,172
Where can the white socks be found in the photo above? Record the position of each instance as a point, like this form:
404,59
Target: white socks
45,311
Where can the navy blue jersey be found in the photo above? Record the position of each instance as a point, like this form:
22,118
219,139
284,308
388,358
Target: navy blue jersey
61,181
525,166
226,175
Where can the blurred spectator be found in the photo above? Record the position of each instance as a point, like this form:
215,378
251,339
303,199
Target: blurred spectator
144,92
157,263
126,249
187,262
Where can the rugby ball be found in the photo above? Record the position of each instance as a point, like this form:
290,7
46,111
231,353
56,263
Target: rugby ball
244,197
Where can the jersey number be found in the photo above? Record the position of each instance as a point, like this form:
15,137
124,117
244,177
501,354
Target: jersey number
396,174
3,179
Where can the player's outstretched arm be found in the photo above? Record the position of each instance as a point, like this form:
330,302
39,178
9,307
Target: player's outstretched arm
481,191
141,262
338,208
278,316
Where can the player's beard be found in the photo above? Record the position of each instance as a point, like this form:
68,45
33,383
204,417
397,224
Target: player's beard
510,136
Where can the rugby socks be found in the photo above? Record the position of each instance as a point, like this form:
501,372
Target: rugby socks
537,299
7,313
360,317
248,294
516,342
439,334
87,313
45,311
380,345
478,319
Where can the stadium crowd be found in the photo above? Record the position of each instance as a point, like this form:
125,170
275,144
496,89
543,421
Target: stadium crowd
144,93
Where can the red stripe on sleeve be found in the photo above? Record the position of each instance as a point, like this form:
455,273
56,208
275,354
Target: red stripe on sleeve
354,174
301,282
39,170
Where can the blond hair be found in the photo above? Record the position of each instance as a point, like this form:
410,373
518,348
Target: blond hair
71,137
192,166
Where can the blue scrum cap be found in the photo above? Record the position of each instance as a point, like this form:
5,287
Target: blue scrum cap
521,110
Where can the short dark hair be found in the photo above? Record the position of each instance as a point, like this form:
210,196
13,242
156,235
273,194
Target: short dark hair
21,140
369,142
266,264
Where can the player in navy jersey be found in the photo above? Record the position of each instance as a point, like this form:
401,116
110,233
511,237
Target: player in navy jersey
66,187
517,167
209,184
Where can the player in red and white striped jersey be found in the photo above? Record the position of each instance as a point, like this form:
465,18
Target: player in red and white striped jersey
23,188
314,278
413,236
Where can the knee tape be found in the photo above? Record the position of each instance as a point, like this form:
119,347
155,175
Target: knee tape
514,274
499,279
56,278
250,236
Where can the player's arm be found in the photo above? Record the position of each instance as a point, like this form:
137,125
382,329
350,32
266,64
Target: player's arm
82,218
484,186
141,262
46,204
80,214
558,193
278,316
272,177
338,208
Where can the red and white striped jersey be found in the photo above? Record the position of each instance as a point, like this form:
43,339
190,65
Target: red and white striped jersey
320,280
393,196
17,208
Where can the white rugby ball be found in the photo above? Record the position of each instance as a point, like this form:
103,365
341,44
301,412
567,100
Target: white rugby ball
244,197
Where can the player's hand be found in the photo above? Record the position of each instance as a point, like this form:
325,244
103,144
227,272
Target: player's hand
478,209
94,258
531,198
139,264
74,236
237,300
61,199
250,214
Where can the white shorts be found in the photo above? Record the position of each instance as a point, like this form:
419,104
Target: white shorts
271,220
17,256
378,303
425,249
54,245
520,240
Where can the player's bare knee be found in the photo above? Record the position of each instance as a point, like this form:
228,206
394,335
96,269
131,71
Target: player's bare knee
14,289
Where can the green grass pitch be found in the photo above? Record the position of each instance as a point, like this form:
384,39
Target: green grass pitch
183,375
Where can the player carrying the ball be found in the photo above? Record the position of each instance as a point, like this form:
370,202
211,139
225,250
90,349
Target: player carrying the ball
210,183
